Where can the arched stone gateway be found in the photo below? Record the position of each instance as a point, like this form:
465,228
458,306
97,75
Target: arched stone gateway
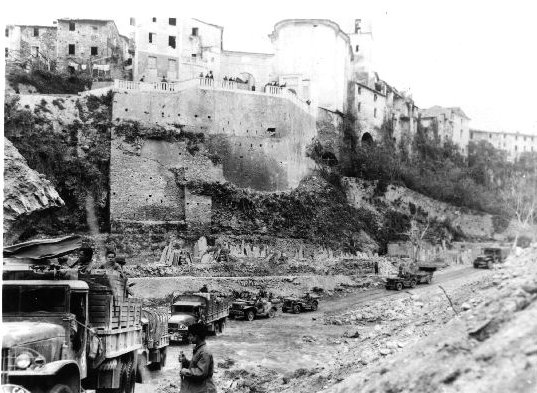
367,138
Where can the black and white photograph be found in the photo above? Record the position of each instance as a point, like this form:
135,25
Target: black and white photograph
269,197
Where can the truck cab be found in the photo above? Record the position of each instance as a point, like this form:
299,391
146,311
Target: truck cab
490,256
183,314
45,341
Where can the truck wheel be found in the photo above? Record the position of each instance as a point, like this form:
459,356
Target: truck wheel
296,309
141,369
413,284
428,280
250,315
60,388
222,326
489,264
271,313
131,377
314,306
399,286
163,354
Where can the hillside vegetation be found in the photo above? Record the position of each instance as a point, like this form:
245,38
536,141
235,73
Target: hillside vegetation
483,181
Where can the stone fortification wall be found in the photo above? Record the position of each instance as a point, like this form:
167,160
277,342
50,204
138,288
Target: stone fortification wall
147,181
260,139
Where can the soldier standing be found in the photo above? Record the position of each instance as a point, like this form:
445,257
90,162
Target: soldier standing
197,374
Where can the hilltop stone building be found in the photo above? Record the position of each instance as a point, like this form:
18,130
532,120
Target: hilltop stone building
31,45
73,45
450,123
91,44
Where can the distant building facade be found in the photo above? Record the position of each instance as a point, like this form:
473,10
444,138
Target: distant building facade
313,58
91,45
514,144
403,114
450,123
368,106
175,48
31,45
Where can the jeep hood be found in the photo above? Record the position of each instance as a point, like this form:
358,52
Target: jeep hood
184,319
20,333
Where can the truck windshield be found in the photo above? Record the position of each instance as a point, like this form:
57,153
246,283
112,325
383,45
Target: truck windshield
25,299
184,309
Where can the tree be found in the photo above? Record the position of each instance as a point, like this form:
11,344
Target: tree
520,196
415,234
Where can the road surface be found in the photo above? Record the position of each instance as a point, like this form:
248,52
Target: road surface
284,343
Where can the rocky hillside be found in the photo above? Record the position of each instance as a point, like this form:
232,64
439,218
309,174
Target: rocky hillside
67,140
25,191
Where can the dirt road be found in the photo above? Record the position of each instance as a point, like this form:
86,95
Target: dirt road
288,341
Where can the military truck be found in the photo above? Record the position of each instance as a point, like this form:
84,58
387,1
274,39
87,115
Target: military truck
299,304
155,342
64,331
188,308
250,309
490,256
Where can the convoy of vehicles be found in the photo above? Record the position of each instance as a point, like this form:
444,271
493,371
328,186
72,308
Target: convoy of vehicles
424,275
491,256
297,305
64,330
188,308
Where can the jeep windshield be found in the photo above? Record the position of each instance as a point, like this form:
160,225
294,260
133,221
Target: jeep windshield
29,299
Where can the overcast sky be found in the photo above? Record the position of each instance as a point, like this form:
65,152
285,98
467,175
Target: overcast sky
479,55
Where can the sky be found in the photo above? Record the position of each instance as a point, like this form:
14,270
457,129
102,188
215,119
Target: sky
477,55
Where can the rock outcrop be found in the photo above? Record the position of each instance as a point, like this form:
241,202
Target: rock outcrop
25,190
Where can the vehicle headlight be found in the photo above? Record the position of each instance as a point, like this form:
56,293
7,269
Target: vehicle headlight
182,327
23,361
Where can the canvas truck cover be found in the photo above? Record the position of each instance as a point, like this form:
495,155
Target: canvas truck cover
43,248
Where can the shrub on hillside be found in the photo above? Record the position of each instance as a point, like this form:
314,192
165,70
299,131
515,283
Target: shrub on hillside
50,82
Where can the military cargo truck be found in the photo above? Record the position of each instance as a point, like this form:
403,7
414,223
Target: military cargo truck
189,308
64,332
